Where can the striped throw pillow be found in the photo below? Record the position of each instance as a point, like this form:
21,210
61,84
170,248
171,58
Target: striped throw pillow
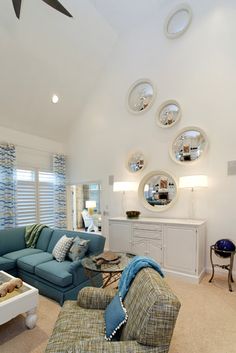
62,247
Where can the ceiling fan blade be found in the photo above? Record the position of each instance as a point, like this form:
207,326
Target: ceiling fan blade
57,6
17,7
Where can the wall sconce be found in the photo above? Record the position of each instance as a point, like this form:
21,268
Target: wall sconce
192,182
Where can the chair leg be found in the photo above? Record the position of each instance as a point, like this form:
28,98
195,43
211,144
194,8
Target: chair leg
213,268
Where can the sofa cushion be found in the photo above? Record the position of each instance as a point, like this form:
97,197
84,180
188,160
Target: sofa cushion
55,272
44,239
78,249
58,234
75,324
12,240
15,255
6,264
28,263
62,247
96,245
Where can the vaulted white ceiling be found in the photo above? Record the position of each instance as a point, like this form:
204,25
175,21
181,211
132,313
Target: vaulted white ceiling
46,52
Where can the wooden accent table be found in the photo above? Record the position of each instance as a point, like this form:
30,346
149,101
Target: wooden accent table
111,272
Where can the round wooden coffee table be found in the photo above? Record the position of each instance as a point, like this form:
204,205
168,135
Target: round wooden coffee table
111,271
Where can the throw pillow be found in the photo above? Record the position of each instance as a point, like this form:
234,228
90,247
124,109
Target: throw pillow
78,249
115,316
61,248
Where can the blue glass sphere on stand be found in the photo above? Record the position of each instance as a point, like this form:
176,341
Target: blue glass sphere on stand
225,245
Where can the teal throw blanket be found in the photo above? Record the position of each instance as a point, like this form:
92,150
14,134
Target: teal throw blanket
115,314
134,266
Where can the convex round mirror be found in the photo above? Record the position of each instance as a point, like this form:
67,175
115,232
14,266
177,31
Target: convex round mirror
189,145
136,162
158,191
178,21
140,96
168,114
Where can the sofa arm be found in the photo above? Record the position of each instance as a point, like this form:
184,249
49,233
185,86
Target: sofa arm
74,266
95,298
102,346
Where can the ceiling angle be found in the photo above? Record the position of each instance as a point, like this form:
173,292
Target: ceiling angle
53,3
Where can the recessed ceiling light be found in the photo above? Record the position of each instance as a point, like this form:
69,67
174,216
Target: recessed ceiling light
55,99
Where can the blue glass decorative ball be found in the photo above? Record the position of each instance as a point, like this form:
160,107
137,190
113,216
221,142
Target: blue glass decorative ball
226,245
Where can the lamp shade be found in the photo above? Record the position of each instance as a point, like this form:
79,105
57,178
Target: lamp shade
193,181
124,186
90,204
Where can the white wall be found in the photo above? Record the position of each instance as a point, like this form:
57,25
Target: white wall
31,150
198,70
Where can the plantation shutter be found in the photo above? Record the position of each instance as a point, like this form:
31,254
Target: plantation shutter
26,198
46,198
34,197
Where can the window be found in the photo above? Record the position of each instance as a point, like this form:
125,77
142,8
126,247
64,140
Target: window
34,197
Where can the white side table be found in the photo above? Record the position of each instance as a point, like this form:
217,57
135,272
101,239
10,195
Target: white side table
22,300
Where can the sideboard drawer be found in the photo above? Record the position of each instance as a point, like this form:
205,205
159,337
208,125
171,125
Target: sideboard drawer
150,234
146,226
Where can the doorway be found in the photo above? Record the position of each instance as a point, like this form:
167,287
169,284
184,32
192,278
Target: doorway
86,206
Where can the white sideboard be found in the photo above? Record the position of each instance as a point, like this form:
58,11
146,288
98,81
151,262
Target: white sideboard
177,244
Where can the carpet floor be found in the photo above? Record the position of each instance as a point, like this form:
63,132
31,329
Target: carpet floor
206,322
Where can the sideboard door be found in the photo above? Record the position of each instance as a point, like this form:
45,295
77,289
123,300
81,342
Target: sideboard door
180,248
155,250
120,236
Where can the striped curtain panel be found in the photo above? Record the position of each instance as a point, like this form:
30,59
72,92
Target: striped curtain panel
59,169
7,186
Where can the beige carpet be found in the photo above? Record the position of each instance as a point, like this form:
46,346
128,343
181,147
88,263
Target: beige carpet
206,322
16,338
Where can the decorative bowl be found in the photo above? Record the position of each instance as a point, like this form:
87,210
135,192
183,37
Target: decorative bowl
132,214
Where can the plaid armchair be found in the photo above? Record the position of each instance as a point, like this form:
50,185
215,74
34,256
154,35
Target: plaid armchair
152,312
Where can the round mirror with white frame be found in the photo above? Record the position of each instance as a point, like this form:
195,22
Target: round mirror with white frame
178,21
158,191
140,96
136,162
189,145
168,114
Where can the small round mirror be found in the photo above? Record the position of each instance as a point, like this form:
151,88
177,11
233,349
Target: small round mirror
168,114
178,21
140,96
158,191
189,145
136,162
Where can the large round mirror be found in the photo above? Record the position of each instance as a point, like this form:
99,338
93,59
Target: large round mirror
189,145
168,114
136,162
178,21
140,96
158,191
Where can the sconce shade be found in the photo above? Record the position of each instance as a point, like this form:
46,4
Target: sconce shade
124,186
90,204
193,181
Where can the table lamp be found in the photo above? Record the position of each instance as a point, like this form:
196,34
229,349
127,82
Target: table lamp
192,182
124,186
90,205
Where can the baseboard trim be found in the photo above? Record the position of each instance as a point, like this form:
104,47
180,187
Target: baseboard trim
220,271
190,278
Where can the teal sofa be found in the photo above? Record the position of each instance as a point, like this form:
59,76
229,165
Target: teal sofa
57,280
